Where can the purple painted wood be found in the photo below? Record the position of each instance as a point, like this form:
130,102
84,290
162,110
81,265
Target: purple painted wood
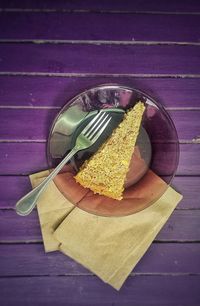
22,158
188,186
136,5
89,290
56,91
25,228
29,124
30,259
189,160
9,196
77,26
183,225
84,65
95,59
187,124
26,158
33,124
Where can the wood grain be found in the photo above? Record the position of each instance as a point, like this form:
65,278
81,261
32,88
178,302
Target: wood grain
102,59
29,124
56,91
87,290
181,226
109,27
12,188
150,45
189,187
22,158
186,124
26,158
33,124
30,259
136,5
189,160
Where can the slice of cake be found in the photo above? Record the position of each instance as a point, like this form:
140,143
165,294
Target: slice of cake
105,172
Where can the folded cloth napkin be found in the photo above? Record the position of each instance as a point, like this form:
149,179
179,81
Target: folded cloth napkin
110,247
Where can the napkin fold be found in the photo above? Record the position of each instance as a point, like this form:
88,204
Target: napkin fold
110,247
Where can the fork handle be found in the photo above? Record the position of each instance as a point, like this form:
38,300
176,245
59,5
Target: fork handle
26,204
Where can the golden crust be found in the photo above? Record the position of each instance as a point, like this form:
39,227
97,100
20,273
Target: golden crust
105,172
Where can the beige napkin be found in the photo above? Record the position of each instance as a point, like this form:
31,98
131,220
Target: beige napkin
110,247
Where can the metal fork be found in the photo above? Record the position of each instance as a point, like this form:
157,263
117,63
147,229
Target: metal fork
86,138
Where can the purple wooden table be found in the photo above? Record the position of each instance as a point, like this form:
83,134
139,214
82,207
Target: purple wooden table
52,50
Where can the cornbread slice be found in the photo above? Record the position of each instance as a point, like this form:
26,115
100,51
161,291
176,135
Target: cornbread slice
105,172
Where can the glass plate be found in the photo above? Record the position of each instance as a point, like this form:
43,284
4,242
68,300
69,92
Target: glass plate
154,161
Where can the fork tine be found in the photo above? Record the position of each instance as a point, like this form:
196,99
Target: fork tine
91,122
101,130
99,120
90,135
98,131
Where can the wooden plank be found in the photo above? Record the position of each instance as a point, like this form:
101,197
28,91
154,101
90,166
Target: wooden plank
29,124
163,164
30,259
13,188
110,27
22,158
187,124
188,186
56,91
136,5
33,124
189,160
20,227
99,59
87,290
183,225
180,226
25,158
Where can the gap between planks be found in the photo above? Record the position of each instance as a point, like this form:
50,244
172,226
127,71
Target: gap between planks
183,209
181,141
132,274
40,241
97,11
98,42
83,75
23,141
177,175
4,106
